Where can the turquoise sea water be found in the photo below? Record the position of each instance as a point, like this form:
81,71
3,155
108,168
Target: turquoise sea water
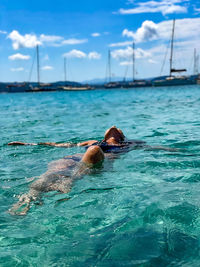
141,210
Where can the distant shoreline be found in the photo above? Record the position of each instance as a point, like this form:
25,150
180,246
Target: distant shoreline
29,87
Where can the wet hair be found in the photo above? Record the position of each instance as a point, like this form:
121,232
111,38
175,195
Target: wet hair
115,130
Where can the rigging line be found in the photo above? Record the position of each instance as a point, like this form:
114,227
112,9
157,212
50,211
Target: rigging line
196,62
191,64
109,66
166,52
106,76
125,73
30,74
197,69
172,49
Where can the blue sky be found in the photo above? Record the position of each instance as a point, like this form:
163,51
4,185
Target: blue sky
84,31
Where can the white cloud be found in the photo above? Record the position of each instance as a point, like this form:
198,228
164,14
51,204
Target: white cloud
158,52
80,54
19,56
17,69
127,53
19,41
184,29
95,34
163,6
75,54
126,63
147,32
59,40
47,68
31,40
3,32
140,53
159,49
197,9
121,44
122,53
152,61
94,55
50,38
189,44
128,33
74,41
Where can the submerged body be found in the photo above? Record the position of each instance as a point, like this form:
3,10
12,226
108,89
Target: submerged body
120,147
59,177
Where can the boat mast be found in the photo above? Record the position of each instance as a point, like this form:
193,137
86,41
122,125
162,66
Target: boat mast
38,64
65,69
133,61
109,67
172,47
196,62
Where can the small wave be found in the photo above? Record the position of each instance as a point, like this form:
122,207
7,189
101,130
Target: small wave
157,133
194,178
186,144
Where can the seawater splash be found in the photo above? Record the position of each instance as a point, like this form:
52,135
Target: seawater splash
141,210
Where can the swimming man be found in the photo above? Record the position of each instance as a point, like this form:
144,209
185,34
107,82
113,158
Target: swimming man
114,142
59,177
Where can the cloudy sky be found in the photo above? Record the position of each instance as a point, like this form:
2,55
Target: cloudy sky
84,31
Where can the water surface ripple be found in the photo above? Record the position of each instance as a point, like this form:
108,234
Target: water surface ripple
141,210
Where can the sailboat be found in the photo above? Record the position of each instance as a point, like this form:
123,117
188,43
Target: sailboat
123,84
110,84
172,80
17,87
136,83
75,87
41,87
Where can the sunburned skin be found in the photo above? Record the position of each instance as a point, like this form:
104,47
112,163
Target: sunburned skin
59,177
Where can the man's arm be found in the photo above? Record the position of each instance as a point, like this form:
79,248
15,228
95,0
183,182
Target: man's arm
86,143
17,143
57,144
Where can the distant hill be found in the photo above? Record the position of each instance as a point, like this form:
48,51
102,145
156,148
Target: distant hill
103,80
14,87
28,86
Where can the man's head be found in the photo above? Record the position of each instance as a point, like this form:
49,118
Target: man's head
115,134
93,155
